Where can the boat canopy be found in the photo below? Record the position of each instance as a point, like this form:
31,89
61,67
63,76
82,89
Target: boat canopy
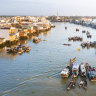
93,73
75,66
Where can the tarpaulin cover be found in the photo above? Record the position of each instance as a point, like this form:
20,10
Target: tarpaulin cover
75,66
65,71
93,72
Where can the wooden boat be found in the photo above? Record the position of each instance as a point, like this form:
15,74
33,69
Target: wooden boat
28,49
20,51
65,73
83,83
71,84
82,70
67,44
92,75
77,29
36,40
89,36
83,31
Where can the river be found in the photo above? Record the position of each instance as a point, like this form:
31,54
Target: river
37,73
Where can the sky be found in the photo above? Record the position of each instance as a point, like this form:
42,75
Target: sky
48,7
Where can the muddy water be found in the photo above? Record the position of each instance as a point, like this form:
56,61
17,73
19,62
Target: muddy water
38,73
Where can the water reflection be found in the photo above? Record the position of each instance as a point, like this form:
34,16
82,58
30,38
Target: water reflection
4,54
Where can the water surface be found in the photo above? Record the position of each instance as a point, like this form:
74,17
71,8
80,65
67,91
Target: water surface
38,73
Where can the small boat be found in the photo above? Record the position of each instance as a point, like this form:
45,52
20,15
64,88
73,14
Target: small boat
83,31
28,49
67,44
65,27
71,84
82,70
65,73
92,75
77,29
89,36
36,40
20,51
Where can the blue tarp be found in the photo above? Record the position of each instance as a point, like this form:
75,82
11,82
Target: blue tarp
75,66
93,73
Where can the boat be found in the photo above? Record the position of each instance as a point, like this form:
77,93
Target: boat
92,75
20,51
66,28
36,40
71,84
67,44
89,36
82,70
77,29
83,31
75,69
81,83
65,73
28,49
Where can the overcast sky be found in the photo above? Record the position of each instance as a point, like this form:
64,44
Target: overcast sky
48,7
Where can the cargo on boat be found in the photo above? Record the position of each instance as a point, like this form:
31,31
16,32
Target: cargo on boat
65,73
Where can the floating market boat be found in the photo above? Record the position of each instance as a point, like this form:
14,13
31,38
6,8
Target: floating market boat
83,31
77,29
92,75
65,73
36,40
82,70
28,49
75,69
83,83
20,51
71,84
